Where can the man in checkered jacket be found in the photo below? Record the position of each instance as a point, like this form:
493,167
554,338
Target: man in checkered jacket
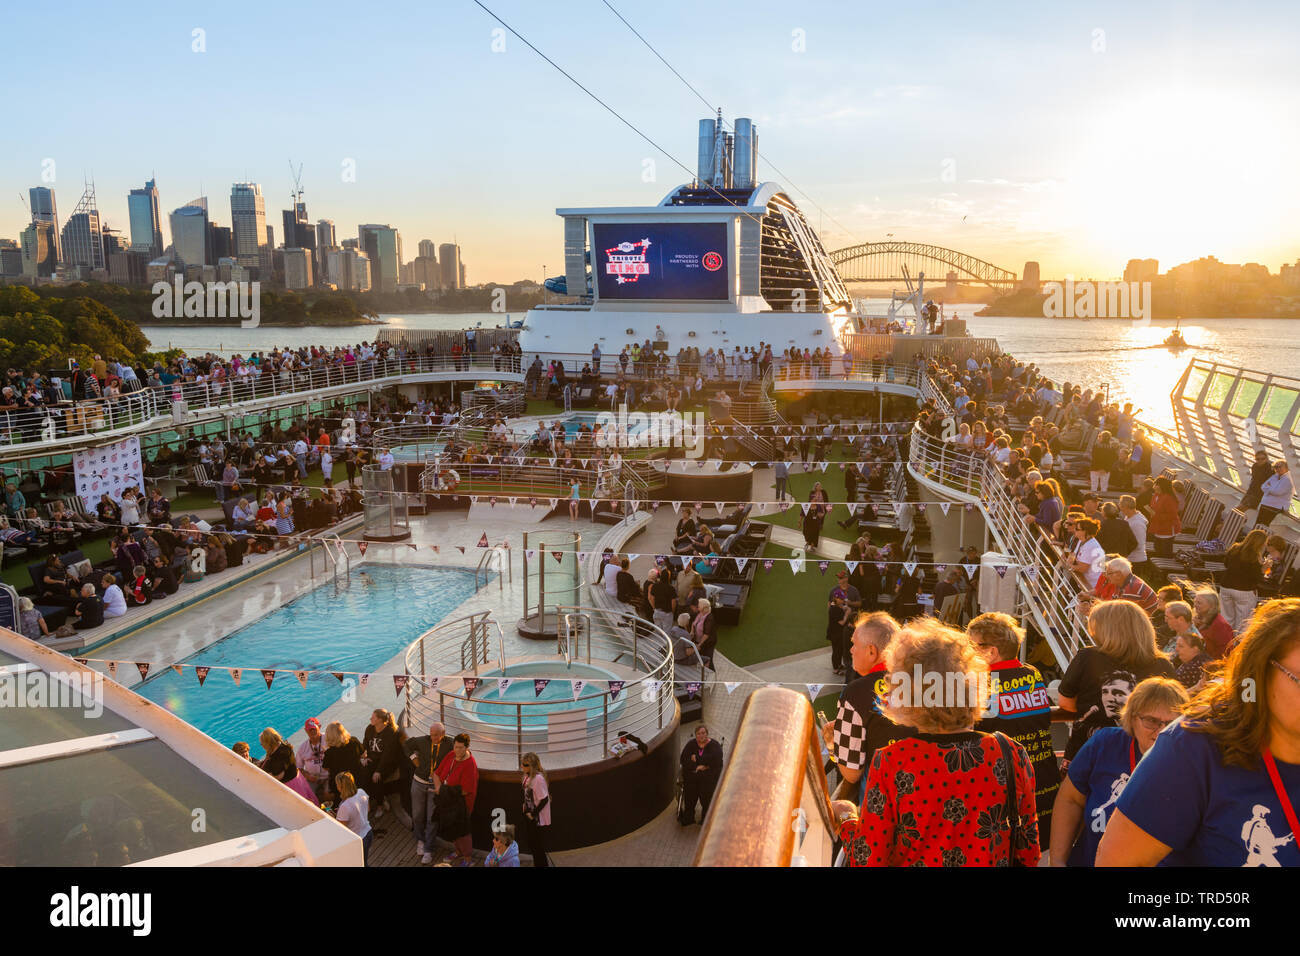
859,728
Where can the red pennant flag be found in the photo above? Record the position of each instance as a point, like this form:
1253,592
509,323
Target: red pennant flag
201,673
399,682
558,556
460,548
339,675
471,685
236,673
81,660
112,669
302,678
483,541
178,669
143,668
268,675
363,545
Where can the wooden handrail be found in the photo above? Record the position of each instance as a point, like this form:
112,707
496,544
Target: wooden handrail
753,819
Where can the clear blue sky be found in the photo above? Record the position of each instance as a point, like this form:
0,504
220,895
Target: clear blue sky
1172,134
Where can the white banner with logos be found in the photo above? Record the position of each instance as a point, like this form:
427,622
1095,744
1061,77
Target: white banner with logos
110,468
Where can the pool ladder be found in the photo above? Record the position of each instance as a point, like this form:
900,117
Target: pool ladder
341,560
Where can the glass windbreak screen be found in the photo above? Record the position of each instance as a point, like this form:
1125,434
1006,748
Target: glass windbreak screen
40,711
115,807
8,659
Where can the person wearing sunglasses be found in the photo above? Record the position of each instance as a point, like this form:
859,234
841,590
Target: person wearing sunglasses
1221,786
1102,767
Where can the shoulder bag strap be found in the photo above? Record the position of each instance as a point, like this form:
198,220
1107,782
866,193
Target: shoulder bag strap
1013,813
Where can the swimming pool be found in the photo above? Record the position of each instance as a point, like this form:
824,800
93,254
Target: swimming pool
556,696
354,630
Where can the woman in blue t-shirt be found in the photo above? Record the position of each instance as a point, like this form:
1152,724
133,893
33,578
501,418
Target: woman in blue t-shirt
1101,769
1221,786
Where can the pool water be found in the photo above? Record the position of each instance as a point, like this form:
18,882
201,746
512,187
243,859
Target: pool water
577,419
556,696
353,630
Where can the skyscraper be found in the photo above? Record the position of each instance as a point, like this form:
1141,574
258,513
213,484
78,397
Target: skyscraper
383,246
297,269
326,242
449,260
189,225
145,219
248,223
83,243
427,249
40,257
44,210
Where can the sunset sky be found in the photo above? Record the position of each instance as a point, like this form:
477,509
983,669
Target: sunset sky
1080,135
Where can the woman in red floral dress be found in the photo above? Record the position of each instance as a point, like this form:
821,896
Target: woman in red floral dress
941,798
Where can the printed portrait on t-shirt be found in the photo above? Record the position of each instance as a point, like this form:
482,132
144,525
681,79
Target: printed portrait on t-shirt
1115,688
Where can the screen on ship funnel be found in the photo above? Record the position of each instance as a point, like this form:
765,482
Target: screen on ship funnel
681,260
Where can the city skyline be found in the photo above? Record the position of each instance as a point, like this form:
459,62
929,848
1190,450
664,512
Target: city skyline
1041,139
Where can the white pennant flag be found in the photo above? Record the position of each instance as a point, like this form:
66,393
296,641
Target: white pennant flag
814,690
677,506
654,686
503,684
862,426
551,462
971,569
796,565
554,502
731,685
530,553
823,465
851,565
944,506
740,563
721,506
512,501
909,567
633,557
787,439
577,686
804,506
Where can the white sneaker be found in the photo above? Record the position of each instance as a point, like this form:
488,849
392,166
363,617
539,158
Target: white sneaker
419,848
426,859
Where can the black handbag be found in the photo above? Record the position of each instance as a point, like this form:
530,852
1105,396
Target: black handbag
1013,813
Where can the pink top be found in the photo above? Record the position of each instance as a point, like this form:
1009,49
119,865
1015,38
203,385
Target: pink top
540,792
300,786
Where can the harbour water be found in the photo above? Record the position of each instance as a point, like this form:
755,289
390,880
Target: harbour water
1124,355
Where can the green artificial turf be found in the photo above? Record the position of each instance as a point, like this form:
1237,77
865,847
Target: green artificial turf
785,613
800,486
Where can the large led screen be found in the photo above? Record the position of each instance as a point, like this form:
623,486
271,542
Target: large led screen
680,260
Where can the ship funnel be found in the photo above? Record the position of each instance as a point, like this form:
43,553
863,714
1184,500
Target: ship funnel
708,136
745,164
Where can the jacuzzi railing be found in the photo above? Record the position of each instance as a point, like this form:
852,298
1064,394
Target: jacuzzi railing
633,694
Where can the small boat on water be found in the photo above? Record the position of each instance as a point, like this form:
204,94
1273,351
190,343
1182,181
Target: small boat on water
1174,340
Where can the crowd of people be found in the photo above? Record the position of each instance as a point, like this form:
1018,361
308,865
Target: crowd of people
427,783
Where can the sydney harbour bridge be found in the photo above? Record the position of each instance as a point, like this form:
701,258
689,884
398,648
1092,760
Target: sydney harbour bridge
898,261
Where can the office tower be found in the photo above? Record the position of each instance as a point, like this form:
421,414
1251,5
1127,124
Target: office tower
11,259
128,267
325,236
83,242
424,267
220,242
297,269
189,225
1029,279
145,220
113,241
426,248
449,260
39,250
349,269
383,246
461,277
44,209
248,225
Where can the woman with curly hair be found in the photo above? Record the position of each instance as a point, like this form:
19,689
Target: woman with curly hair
948,796
1221,786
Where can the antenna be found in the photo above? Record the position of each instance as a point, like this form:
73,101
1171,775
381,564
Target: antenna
295,194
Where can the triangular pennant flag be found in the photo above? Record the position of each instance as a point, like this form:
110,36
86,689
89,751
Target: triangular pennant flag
582,556
178,669
713,563
814,690
539,685
201,673
796,565
616,688
551,462
236,673
413,546
558,556
512,501
554,501
483,541
471,685
112,669
339,675
909,567
460,548
880,566
633,557
399,683
677,506
804,506
81,660
302,677
862,426
731,685
692,688
851,565
787,439
969,506
767,564
503,684
940,568
822,465
661,559
740,563
822,566
492,501
530,553
363,545
268,675
576,686
532,502
1001,569
721,506
970,569
944,506
143,668
364,681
